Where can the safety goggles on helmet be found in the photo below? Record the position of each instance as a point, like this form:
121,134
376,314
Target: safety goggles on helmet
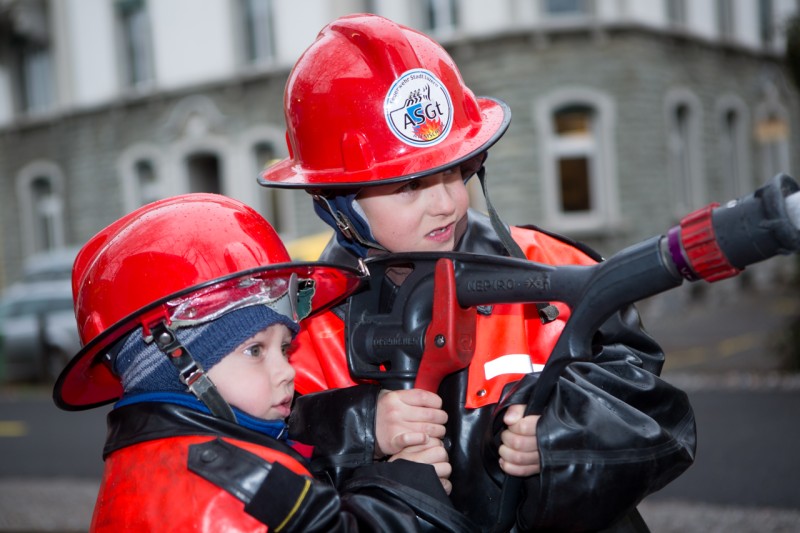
284,296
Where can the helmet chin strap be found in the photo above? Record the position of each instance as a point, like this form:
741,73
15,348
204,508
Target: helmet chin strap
502,231
547,311
191,372
345,225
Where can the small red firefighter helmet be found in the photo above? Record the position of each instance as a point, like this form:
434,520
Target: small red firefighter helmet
372,102
184,260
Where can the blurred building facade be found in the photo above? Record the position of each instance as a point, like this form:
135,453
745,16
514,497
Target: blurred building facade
627,114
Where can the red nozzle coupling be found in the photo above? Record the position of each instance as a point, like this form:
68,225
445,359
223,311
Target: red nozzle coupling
700,244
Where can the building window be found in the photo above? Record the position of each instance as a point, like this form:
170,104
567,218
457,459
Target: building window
566,7
276,204
146,181
766,17
684,151
140,177
676,13
203,170
259,31
41,205
772,136
574,151
725,19
441,16
734,150
47,214
577,153
30,57
135,42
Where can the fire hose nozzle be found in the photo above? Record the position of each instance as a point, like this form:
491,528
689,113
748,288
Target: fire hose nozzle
718,242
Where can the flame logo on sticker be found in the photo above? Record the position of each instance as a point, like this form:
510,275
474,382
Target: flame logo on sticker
418,108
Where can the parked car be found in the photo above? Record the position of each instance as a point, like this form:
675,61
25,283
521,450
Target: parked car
38,332
51,265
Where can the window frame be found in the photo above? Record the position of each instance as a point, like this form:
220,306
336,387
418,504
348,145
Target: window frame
131,188
685,164
135,54
31,60
440,18
28,209
774,153
734,146
248,51
601,150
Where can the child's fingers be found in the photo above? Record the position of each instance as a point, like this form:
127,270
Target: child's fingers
443,470
513,469
514,414
411,438
517,456
420,398
525,426
520,442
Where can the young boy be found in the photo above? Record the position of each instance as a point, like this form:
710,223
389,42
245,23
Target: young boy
187,308
384,134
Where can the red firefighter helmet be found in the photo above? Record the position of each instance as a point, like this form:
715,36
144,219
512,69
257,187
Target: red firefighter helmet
185,260
371,102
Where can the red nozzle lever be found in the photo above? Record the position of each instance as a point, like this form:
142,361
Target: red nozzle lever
450,339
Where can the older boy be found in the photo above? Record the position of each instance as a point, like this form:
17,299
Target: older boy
384,134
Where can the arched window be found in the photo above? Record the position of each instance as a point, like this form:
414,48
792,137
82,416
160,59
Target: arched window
772,136
578,165
734,147
574,150
140,172
41,203
47,213
276,205
147,181
684,165
203,171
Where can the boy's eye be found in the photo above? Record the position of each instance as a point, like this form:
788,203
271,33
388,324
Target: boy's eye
254,350
288,348
410,186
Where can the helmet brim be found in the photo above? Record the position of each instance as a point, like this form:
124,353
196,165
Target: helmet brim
87,381
459,147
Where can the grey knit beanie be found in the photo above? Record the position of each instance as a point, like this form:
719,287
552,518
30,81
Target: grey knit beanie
144,368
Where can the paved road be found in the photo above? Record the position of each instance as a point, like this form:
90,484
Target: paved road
723,353
727,355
